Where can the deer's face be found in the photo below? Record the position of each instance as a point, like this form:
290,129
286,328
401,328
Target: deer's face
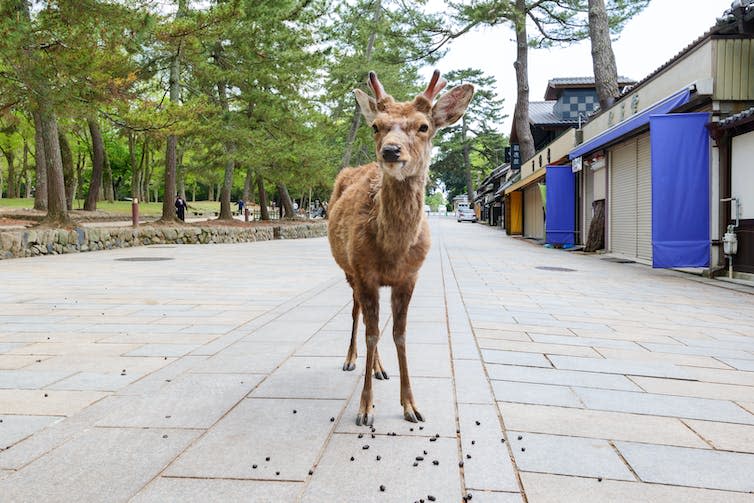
403,140
403,131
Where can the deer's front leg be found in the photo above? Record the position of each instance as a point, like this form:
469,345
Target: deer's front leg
401,296
369,299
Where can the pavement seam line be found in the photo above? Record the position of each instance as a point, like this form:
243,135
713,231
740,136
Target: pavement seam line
504,430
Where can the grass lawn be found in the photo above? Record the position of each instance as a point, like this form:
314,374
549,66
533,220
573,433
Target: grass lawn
118,207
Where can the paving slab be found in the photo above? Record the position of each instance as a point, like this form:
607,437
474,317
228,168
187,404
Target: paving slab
487,462
190,401
560,377
725,436
537,347
664,405
258,429
46,403
17,427
695,389
515,358
624,367
180,490
599,424
87,467
586,457
548,488
336,478
472,385
29,379
308,377
682,466
543,394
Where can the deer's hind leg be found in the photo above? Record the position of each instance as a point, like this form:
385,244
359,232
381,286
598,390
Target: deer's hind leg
350,363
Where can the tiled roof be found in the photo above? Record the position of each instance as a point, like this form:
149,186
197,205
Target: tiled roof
737,119
541,113
581,81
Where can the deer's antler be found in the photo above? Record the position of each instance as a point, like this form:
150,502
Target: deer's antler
434,88
374,83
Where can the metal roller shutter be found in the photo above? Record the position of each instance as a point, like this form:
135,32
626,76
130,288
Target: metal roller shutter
623,198
644,198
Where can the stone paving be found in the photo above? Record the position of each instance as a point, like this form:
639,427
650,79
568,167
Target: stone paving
212,373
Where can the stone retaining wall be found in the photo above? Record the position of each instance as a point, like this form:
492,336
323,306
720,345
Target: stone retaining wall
31,242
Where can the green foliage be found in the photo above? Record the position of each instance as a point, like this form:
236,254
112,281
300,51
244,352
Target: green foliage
476,135
555,22
435,200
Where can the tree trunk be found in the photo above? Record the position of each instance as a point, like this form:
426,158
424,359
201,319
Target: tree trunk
226,213
210,191
180,176
40,165
134,168
603,58
171,153
57,210
69,175
264,212
11,158
247,185
521,112
356,119
27,178
285,201
596,237
98,162
467,162
107,180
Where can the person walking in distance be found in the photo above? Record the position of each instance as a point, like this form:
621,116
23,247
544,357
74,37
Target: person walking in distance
180,208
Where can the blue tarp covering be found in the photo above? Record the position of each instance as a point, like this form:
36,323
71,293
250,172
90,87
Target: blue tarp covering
636,121
560,206
680,190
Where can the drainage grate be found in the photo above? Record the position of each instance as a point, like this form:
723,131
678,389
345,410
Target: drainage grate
550,268
143,259
617,260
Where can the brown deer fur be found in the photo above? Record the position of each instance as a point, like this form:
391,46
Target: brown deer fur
378,231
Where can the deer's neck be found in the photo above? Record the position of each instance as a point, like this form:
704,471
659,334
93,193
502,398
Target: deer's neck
399,206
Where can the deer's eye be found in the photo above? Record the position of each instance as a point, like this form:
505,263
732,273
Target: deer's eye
375,128
423,128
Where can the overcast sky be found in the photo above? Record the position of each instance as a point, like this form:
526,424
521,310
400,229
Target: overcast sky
650,39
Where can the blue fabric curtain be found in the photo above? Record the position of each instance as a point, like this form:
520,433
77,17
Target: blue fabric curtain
560,206
680,190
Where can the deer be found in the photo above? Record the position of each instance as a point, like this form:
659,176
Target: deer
378,231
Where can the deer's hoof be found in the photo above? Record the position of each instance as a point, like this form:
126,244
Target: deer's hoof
349,366
412,415
364,419
381,374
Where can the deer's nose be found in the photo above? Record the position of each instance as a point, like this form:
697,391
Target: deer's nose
391,152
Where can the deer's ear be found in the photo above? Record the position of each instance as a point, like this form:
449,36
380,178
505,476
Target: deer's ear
367,104
452,105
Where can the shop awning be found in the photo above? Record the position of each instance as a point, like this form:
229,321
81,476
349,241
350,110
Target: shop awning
634,122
